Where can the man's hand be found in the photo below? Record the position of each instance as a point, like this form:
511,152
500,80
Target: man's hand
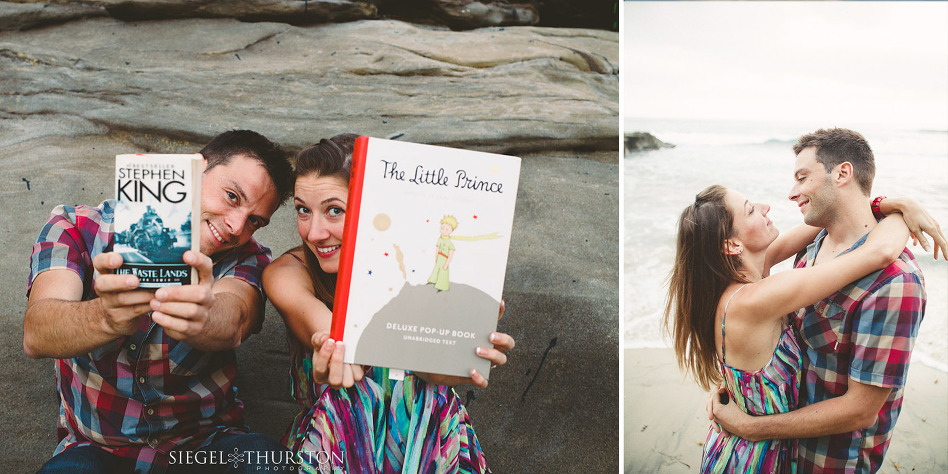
121,300
501,343
709,407
726,416
328,366
183,311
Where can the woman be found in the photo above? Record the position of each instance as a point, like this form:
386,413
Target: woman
353,415
730,324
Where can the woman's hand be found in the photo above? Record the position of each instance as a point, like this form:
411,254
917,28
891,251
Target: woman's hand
919,223
328,366
501,343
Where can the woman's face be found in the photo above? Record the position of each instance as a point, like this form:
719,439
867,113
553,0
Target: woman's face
320,203
752,227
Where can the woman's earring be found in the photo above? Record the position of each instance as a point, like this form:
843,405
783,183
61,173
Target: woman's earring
740,259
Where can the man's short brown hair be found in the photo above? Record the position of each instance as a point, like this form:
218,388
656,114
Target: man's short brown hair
838,145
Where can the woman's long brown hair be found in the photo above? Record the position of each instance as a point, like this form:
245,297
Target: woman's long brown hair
329,157
701,273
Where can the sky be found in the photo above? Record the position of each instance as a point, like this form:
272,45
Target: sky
880,63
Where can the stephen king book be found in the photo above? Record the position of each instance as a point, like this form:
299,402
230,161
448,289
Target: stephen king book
424,255
158,203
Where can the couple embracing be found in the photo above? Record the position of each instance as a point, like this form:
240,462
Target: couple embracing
811,361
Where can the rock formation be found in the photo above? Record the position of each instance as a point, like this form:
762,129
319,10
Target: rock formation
641,141
457,14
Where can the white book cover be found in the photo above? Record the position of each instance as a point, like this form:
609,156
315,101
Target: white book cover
158,203
424,257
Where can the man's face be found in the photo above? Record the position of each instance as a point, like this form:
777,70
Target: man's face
237,198
814,190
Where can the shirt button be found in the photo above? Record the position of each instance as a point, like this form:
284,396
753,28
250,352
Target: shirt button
132,346
151,411
141,380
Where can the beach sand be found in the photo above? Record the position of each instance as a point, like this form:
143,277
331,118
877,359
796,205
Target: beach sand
665,423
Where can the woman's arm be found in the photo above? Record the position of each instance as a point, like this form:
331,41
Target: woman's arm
286,281
791,290
789,244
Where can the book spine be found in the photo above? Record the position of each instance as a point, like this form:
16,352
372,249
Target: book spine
343,278
196,180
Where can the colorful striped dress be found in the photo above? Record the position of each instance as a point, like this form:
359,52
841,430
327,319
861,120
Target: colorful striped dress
379,425
772,389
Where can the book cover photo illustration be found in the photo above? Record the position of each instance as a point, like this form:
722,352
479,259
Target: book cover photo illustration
427,235
158,202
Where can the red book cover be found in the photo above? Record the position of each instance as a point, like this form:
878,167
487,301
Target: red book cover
344,276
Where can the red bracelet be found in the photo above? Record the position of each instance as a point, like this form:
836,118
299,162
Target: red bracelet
876,212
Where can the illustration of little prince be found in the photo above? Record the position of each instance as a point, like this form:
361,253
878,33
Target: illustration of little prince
439,275
445,246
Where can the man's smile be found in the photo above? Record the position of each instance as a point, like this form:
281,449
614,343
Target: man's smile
216,234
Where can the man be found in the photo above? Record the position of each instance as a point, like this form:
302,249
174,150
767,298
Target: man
146,377
856,343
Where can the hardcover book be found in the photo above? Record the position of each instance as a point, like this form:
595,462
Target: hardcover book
158,202
424,257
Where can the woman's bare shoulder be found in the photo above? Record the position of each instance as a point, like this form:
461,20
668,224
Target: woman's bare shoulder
291,264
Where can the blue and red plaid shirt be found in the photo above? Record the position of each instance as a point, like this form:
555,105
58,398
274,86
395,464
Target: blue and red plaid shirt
866,332
143,395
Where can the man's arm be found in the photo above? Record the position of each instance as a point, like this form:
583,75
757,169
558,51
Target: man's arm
855,410
209,316
58,325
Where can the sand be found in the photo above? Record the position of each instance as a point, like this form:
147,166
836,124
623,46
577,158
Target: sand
665,423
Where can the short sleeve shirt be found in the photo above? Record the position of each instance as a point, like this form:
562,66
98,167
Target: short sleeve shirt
144,395
866,332
445,245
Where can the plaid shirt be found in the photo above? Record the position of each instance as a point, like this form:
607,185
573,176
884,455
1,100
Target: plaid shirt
866,332
142,395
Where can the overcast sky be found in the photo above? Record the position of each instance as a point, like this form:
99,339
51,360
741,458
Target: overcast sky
854,62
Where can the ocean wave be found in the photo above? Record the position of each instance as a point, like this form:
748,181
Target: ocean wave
780,141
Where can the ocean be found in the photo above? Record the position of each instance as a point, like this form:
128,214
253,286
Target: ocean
756,159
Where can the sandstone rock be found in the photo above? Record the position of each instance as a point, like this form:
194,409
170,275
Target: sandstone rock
464,14
641,141
510,90
294,12
21,16
458,14
603,14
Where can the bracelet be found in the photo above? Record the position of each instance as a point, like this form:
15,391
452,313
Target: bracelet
876,212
